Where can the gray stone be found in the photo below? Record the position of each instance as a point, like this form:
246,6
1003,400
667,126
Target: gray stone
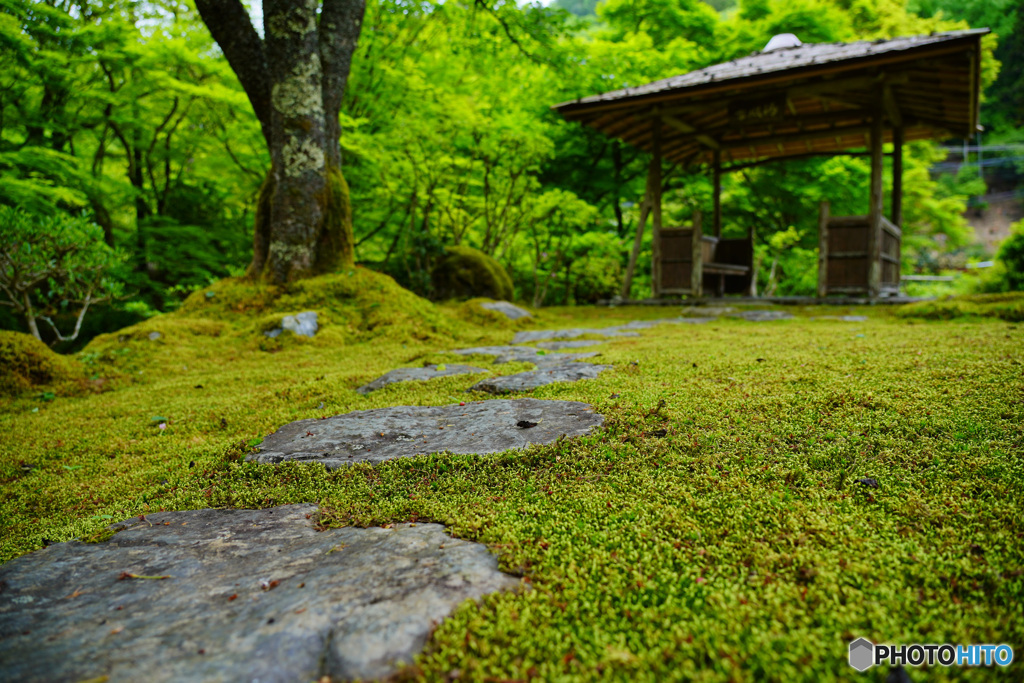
843,318
523,354
546,335
510,310
345,603
374,436
696,321
704,311
303,324
153,336
549,374
762,316
411,374
559,345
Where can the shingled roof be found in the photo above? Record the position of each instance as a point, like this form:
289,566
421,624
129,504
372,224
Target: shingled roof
789,101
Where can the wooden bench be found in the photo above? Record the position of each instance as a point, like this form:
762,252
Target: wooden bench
724,265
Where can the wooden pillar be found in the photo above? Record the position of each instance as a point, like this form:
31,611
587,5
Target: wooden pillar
645,210
716,216
823,215
697,257
655,180
897,177
874,273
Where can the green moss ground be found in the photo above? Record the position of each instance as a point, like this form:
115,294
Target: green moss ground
736,546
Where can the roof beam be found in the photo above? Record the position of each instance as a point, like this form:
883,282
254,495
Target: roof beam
683,127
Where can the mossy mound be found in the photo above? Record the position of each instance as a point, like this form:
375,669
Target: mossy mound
352,306
1008,306
465,273
27,363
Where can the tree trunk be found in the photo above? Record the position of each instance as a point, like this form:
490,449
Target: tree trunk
295,79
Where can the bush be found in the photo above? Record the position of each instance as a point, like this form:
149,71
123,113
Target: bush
466,273
1011,256
54,265
1007,306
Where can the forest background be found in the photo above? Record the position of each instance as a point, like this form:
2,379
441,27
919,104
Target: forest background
124,119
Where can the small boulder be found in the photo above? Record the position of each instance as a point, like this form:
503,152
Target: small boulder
303,324
510,310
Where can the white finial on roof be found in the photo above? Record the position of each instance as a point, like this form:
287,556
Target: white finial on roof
782,40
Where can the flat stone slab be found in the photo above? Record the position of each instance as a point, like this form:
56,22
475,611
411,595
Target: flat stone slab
523,354
252,595
525,381
627,330
559,345
411,374
762,316
703,311
303,324
528,336
843,318
510,310
374,436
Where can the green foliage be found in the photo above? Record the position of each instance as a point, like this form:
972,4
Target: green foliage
465,273
28,364
1011,257
51,265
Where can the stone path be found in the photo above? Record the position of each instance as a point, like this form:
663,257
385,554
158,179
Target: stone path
544,374
424,373
374,436
251,595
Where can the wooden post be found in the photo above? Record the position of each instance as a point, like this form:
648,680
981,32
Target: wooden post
697,257
716,215
823,215
655,179
874,273
645,210
897,177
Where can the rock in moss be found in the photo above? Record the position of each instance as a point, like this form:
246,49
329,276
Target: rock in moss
465,273
27,363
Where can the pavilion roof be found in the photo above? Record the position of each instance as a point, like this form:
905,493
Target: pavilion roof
792,101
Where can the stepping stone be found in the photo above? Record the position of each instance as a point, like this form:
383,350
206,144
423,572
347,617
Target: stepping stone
696,321
410,374
252,595
525,381
762,316
522,354
511,311
546,335
627,330
843,318
374,436
700,311
559,345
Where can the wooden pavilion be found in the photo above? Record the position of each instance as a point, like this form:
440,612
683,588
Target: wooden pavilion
792,101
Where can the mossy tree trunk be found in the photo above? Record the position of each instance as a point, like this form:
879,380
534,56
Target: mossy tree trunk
295,79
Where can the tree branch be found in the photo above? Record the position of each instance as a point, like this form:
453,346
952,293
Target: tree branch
340,24
230,26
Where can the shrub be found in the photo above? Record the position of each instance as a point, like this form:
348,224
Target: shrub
51,265
1011,256
466,273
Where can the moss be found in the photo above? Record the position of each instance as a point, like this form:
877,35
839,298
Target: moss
1007,306
713,530
27,363
465,273
335,249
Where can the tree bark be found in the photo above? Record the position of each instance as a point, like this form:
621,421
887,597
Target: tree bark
295,80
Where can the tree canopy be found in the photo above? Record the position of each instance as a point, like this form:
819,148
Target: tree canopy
130,115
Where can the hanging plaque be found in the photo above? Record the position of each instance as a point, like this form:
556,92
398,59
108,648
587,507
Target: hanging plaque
756,111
